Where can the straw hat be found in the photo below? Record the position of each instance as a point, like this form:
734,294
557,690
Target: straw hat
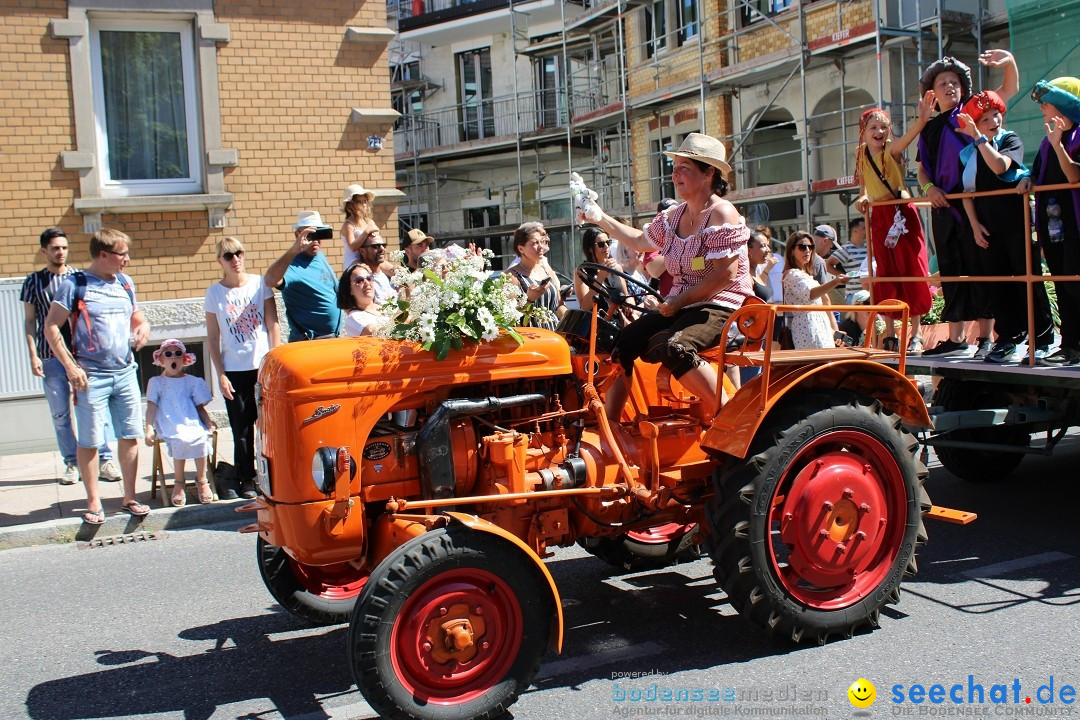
703,148
354,190
308,218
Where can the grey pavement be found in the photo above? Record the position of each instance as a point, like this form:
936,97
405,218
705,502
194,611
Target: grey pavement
36,509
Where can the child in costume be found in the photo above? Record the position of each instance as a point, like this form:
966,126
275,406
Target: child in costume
940,143
176,413
896,234
994,161
1057,212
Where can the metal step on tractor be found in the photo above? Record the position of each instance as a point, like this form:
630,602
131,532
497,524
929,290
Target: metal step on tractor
415,498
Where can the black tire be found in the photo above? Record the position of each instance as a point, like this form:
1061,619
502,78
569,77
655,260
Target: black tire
318,595
404,675
644,550
837,463
983,465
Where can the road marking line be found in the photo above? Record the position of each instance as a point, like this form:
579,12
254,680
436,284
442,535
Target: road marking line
1008,566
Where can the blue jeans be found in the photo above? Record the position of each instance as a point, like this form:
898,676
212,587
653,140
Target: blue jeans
114,395
58,395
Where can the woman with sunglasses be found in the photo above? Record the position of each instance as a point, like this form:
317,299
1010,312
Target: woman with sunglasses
241,327
356,296
814,329
596,247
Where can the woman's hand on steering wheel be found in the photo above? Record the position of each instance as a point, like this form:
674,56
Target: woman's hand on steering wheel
589,272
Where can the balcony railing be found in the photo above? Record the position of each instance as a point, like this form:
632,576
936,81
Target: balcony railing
498,117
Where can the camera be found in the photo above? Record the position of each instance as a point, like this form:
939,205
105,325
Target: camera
322,232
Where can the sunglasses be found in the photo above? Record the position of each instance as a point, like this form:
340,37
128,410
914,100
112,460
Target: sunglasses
804,246
172,353
361,279
228,257
602,243
1039,91
374,246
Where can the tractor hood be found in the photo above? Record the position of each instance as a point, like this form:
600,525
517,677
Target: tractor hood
393,364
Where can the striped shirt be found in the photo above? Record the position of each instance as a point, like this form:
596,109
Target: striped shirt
709,243
38,290
856,256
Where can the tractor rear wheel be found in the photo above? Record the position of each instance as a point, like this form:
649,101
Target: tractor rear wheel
815,529
653,547
321,595
452,625
982,465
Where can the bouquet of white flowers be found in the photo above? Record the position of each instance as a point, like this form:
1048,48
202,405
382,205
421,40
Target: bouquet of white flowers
456,300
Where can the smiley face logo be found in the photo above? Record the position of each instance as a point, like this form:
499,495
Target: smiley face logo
862,693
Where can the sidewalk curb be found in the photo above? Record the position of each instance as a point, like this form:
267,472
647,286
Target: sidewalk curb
73,529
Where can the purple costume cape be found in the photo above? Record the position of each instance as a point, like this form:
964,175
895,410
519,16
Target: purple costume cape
1072,144
946,171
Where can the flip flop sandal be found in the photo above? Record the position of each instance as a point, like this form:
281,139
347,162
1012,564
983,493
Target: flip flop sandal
136,508
206,495
94,517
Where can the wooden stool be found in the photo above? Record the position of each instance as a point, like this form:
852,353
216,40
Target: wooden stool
157,475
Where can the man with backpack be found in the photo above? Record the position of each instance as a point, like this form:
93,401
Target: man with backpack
37,295
105,323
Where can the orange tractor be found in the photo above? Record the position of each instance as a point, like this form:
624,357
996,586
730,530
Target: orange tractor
416,498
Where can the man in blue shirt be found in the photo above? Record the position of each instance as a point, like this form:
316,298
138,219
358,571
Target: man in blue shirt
101,367
307,283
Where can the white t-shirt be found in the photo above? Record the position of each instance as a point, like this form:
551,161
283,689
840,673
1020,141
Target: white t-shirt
241,322
356,321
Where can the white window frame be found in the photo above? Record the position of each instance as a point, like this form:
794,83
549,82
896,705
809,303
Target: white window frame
124,188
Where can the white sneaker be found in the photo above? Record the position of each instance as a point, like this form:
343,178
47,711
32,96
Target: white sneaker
70,476
109,471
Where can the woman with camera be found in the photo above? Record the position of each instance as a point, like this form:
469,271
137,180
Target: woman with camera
241,327
814,329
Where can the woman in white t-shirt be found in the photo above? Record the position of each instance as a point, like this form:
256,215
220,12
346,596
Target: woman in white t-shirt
356,296
358,223
241,327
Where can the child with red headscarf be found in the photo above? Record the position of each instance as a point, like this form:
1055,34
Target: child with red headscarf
176,412
994,161
896,234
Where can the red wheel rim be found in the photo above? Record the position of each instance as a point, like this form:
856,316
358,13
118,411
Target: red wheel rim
419,660
660,534
340,581
837,519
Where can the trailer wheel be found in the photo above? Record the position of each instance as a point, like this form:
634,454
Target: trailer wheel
817,526
452,625
321,595
978,465
653,547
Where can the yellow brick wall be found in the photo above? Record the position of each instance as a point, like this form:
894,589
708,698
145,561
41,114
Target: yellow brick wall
287,80
821,20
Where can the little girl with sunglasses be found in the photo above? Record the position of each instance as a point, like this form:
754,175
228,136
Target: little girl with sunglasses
176,413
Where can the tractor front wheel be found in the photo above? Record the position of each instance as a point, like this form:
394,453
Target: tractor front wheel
814,531
452,625
321,595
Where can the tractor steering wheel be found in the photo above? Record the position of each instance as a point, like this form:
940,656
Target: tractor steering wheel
604,291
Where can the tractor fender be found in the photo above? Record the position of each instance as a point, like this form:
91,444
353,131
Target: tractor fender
737,423
475,523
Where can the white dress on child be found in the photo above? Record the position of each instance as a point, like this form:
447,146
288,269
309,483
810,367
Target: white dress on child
177,421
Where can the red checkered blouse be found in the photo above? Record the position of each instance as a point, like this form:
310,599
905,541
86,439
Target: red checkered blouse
712,243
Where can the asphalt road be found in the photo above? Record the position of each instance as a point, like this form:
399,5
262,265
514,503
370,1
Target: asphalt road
181,627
